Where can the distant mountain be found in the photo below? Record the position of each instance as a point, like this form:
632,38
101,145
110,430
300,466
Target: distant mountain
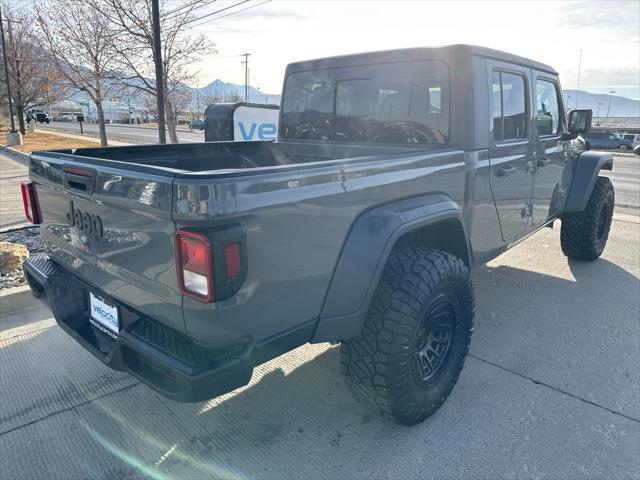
620,106
225,92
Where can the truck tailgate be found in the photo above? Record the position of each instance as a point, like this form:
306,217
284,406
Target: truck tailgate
112,228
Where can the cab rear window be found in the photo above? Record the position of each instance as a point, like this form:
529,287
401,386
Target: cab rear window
405,103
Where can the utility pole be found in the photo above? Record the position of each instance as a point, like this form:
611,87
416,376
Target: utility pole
610,98
598,114
6,72
198,101
246,75
157,58
579,71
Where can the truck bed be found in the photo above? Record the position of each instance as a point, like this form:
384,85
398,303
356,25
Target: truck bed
216,156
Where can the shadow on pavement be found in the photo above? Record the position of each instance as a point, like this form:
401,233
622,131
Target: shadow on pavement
579,334
298,420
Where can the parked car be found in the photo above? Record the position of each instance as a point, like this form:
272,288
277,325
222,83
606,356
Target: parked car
634,138
394,174
197,125
607,141
37,116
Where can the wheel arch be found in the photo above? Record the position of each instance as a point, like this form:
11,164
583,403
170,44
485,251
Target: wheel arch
588,165
433,221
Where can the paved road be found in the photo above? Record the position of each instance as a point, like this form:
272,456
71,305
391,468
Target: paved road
626,180
125,133
551,389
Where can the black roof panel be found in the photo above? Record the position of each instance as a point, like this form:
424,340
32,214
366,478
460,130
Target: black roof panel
452,53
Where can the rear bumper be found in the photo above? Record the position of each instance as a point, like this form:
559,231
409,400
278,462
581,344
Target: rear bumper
163,359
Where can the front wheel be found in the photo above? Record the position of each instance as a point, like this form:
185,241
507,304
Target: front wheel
624,148
584,235
416,336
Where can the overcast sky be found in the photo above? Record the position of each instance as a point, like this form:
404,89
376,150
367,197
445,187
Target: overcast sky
282,31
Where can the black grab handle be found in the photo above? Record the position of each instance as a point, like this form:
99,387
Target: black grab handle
81,180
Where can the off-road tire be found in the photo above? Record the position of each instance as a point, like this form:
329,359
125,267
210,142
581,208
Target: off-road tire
584,235
382,365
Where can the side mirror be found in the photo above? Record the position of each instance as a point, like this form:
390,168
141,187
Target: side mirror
580,121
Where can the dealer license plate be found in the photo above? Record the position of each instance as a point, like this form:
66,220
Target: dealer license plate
104,315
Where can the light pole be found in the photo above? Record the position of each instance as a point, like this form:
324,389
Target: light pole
610,98
13,138
598,113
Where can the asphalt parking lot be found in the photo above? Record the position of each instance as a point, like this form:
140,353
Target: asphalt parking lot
551,389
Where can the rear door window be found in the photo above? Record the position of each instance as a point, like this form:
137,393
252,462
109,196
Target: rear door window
509,107
547,108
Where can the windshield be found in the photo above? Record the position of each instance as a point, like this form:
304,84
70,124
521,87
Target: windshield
389,103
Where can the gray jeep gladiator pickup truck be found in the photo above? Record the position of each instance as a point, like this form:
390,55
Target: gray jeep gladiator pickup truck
393,175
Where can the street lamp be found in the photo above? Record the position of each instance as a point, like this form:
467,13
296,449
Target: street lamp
610,98
598,114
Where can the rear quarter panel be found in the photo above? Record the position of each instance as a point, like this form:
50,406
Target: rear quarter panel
297,220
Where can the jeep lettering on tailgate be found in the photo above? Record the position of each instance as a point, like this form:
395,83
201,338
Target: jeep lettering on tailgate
87,223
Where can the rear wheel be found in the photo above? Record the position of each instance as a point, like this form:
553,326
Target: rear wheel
624,148
584,235
416,335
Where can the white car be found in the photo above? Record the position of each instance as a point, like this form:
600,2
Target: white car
632,137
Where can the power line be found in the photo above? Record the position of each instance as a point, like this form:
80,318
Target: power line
224,9
217,11
187,5
233,13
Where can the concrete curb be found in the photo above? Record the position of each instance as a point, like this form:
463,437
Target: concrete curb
16,299
17,155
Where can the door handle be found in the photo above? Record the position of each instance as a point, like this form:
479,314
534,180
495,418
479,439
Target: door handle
504,171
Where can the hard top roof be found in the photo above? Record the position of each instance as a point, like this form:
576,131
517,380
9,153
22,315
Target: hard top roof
452,53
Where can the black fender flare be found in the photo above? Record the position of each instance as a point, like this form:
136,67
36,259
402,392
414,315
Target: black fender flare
588,164
364,255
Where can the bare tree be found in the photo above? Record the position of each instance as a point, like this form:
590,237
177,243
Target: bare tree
134,43
180,96
80,42
32,82
211,96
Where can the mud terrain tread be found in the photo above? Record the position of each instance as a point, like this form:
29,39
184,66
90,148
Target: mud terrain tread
369,361
577,233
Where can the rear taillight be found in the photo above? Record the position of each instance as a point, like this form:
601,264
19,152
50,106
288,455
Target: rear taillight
30,202
194,265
